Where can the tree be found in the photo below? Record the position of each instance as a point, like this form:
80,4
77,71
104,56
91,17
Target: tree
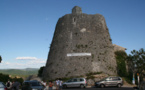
137,61
121,63
40,71
0,59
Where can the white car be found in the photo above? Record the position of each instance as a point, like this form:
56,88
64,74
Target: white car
2,86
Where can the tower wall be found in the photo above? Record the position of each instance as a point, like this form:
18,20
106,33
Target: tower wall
81,44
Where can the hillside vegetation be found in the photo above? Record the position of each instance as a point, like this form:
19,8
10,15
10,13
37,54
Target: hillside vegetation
20,72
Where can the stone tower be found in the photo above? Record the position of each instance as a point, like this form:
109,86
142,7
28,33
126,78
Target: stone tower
81,44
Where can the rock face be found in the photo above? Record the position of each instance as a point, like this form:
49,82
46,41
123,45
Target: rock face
81,44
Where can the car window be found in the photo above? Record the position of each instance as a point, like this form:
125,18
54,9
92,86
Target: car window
69,80
26,83
35,83
116,78
119,78
107,79
81,79
74,80
1,85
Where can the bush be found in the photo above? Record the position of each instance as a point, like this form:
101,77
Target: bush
40,71
4,78
121,65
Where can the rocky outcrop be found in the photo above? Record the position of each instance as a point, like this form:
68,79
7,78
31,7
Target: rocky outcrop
81,44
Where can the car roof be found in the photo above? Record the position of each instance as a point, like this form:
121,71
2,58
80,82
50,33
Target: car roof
78,78
31,81
115,76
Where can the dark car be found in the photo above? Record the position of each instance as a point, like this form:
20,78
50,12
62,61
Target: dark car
2,86
32,85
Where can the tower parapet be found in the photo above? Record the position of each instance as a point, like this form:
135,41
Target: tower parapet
76,10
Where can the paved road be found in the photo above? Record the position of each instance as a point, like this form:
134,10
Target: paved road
109,88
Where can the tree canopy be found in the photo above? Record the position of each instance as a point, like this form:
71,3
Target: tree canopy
121,65
40,71
0,59
137,61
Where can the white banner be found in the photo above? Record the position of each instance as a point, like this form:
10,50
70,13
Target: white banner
78,54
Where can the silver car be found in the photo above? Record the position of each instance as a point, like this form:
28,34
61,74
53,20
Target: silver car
110,81
2,86
75,82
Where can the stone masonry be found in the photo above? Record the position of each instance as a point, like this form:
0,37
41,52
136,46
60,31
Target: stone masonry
81,44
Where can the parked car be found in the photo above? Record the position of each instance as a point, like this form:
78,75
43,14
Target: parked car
32,85
75,82
109,81
2,86
142,85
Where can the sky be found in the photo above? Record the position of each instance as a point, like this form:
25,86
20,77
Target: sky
27,27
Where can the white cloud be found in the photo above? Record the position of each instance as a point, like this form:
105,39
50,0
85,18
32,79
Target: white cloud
7,63
23,63
38,61
26,58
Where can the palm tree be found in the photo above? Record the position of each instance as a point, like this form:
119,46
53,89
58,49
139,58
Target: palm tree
0,59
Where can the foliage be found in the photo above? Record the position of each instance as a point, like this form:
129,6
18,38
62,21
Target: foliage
19,72
40,71
137,61
90,75
128,80
17,79
4,78
121,57
0,59
93,73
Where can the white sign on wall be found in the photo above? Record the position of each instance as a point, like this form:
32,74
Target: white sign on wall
78,54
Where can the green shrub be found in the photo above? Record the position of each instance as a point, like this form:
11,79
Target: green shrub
121,65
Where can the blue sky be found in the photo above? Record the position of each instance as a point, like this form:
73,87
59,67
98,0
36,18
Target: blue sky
27,26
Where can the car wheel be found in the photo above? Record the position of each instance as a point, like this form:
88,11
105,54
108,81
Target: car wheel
81,86
64,86
102,85
119,85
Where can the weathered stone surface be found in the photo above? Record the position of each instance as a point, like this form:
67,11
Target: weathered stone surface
118,48
90,82
80,33
100,76
96,78
76,10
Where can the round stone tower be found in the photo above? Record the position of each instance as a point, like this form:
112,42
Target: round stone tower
81,44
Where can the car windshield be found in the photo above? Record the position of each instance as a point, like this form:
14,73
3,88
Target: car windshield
1,85
69,80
